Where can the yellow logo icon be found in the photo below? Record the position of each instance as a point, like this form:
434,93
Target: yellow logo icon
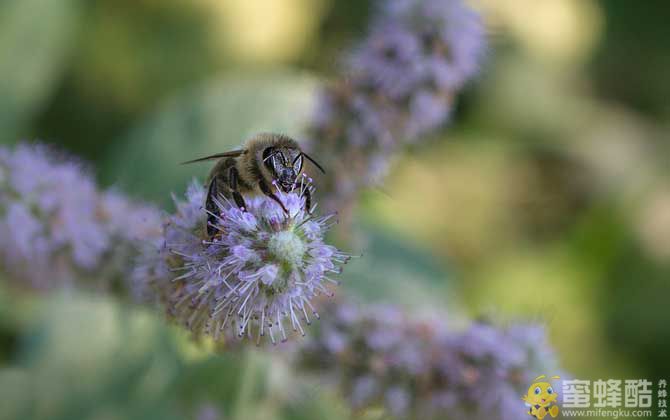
541,399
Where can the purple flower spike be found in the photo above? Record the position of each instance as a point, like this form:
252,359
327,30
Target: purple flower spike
256,277
399,86
380,356
57,228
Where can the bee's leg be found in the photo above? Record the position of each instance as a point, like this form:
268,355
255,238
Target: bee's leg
211,206
267,191
308,200
239,200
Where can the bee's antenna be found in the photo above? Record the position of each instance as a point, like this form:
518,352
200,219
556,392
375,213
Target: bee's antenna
314,162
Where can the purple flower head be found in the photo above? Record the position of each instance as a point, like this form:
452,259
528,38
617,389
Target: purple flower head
420,44
419,368
257,276
56,226
399,86
452,37
50,208
388,61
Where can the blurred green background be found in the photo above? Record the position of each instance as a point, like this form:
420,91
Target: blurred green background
547,198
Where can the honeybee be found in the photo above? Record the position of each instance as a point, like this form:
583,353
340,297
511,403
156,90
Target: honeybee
264,160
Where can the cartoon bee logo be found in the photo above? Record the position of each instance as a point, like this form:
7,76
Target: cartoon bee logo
541,399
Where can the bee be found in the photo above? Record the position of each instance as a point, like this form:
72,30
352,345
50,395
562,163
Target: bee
266,159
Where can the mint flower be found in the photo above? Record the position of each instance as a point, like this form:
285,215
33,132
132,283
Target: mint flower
256,277
420,368
56,227
399,85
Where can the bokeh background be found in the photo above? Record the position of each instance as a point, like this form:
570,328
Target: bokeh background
546,198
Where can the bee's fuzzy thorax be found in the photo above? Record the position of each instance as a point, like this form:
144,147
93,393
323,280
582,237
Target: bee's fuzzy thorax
251,166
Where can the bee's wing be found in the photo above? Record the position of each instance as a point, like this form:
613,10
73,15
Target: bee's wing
232,153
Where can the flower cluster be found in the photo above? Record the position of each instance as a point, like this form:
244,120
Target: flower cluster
256,276
400,85
56,226
421,369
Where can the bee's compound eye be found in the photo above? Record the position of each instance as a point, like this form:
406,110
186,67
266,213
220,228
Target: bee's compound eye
538,391
297,164
550,390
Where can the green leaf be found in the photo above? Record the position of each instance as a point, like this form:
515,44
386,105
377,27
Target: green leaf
35,39
209,119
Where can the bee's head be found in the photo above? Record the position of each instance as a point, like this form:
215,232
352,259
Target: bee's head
284,164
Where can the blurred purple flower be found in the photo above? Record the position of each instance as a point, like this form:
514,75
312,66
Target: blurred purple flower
452,35
389,60
257,276
419,368
419,44
208,411
364,390
398,401
152,273
399,86
56,227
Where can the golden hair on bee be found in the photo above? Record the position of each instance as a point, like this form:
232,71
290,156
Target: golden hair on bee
265,160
